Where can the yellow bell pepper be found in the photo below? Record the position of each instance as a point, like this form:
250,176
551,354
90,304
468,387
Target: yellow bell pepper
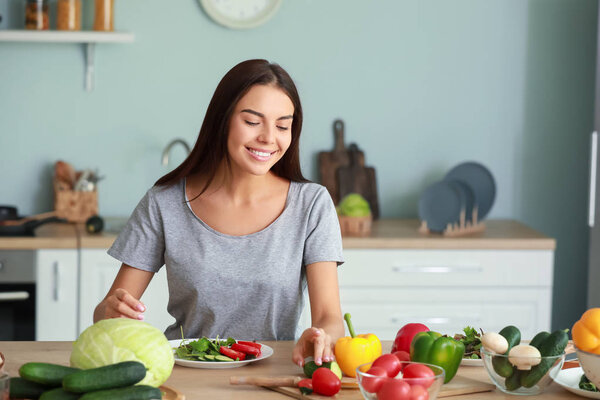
354,350
586,331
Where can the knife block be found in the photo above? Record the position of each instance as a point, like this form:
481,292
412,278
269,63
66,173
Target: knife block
74,206
355,226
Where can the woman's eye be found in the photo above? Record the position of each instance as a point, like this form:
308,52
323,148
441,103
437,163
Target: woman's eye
282,128
251,123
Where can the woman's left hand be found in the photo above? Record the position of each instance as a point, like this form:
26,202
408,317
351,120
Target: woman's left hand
313,342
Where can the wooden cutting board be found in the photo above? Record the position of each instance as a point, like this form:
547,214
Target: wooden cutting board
171,394
330,161
459,385
356,178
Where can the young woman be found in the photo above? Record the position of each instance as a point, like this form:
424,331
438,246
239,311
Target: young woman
240,230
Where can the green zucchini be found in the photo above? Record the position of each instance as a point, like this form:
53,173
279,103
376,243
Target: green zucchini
112,376
59,394
538,339
138,392
501,365
45,373
23,389
553,345
513,382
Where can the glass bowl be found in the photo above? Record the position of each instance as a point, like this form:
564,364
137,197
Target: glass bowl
537,378
400,387
590,363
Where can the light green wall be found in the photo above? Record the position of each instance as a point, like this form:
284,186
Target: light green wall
422,85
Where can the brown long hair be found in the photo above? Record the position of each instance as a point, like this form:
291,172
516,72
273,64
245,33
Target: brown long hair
211,146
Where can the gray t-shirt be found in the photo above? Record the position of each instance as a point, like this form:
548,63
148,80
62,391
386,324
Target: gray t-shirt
247,287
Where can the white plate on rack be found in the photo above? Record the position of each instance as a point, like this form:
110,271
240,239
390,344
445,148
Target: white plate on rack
471,362
266,352
569,379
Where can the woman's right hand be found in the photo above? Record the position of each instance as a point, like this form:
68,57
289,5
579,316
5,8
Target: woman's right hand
122,304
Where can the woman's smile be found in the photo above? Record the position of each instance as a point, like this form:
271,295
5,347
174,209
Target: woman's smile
260,155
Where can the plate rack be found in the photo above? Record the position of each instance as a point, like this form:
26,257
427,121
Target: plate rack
460,228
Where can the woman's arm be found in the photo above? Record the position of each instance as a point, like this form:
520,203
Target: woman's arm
326,315
122,300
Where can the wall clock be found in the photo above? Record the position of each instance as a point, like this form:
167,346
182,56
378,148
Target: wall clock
240,14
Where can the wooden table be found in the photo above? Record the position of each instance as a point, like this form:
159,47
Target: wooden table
214,383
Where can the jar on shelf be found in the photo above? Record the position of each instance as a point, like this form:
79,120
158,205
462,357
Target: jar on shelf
68,15
36,15
103,15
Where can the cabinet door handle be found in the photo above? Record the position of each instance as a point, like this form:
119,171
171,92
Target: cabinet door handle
441,269
434,320
593,168
14,296
56,281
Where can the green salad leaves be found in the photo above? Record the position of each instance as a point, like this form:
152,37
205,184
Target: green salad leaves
472,341
585,384
203,349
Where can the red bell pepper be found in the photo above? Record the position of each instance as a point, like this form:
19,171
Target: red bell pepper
253,344
236,355
246,349
405,336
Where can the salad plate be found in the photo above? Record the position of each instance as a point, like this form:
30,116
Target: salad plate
266,352
569,380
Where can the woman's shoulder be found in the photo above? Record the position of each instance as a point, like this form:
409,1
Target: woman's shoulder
311,192
165,193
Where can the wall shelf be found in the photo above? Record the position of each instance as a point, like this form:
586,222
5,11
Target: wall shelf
87,38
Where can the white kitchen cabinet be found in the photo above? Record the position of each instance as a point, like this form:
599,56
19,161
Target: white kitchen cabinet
447,290
56,294
97,272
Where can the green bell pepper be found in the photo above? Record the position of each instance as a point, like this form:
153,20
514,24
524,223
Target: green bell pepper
443,351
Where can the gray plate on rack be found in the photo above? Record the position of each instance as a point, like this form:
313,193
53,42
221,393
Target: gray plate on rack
467,195
480,180
439,205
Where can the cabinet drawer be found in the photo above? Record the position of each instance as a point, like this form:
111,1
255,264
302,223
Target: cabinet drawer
402,268
447,311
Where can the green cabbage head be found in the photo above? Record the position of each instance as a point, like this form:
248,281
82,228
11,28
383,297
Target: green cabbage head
110,341
354,205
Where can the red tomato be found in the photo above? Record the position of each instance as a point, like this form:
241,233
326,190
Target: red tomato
423,375
394,389
402,356
306,383
372,384
405,336
325,382
418,393
389,362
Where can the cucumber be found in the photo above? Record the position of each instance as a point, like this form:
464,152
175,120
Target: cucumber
209,357
45,373
513,382
23,389
59,394
553,345
502,366
538,339
112,376
139,392
512,334
221,357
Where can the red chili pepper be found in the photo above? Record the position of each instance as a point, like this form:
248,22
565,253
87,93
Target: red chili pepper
244,348
226,351
253,344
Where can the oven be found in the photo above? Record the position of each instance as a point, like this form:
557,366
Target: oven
17,294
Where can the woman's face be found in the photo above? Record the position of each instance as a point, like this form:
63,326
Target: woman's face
260,130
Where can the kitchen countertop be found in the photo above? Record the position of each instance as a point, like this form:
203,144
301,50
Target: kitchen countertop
386,234
214,383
